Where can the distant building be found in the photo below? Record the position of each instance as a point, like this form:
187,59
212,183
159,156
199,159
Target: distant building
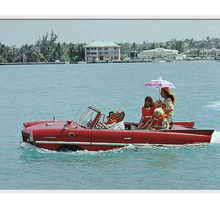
158,53
181,57
102,51
134,55
207,53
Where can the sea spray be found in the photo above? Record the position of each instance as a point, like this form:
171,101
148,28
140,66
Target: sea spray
215,137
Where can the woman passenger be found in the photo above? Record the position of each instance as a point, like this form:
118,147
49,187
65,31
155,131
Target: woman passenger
149,123
147,111
169,101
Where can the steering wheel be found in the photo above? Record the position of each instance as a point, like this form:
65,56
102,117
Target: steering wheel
99,125
89,123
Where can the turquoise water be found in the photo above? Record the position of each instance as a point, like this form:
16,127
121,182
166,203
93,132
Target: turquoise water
34,93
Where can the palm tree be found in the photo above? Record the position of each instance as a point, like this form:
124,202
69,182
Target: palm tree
71,51
47,46
134,46
191,44
153,46
3,52
179,46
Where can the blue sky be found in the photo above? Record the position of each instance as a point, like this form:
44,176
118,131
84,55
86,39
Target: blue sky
18,32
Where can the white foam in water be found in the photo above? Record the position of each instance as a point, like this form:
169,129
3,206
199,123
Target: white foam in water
25,145
32,147
130,147
214,105
215,137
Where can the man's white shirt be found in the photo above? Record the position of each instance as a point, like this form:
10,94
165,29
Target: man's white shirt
117,126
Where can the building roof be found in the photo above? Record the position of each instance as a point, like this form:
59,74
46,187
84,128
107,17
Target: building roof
102,44
160,50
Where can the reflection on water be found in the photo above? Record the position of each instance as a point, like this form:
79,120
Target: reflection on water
163,160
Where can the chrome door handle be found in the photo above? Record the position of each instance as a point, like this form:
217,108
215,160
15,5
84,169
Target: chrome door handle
127,138
71,134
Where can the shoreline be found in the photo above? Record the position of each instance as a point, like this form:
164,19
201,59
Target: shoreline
133,61
32,63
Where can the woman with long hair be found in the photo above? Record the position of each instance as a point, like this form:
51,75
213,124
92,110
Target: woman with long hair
147,111
169,101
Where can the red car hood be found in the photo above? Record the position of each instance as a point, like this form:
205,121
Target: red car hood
39,125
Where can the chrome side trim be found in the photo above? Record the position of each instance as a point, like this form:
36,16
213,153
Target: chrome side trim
62,142
109,144
81,143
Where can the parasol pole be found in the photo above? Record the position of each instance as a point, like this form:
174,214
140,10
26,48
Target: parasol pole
159,93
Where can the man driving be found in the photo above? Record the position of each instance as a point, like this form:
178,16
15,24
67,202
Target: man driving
119,125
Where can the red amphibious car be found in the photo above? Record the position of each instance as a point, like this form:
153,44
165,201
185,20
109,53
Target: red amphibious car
87,134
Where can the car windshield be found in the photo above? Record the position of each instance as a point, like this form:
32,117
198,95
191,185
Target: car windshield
100,121
87,118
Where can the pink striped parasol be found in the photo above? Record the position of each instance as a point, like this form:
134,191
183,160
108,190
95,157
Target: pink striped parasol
159,83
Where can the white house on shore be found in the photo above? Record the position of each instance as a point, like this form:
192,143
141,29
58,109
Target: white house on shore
158,53
102,51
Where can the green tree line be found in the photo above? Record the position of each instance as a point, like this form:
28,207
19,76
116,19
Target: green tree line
183,46
47,49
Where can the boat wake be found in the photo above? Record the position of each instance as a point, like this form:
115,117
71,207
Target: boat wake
32,147
127,148
25,145
215,137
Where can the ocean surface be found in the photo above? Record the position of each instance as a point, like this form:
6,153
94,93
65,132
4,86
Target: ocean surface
38,92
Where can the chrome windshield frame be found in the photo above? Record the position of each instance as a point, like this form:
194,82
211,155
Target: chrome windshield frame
89,117
101,121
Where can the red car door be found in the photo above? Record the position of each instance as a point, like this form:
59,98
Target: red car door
77,137
103,139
